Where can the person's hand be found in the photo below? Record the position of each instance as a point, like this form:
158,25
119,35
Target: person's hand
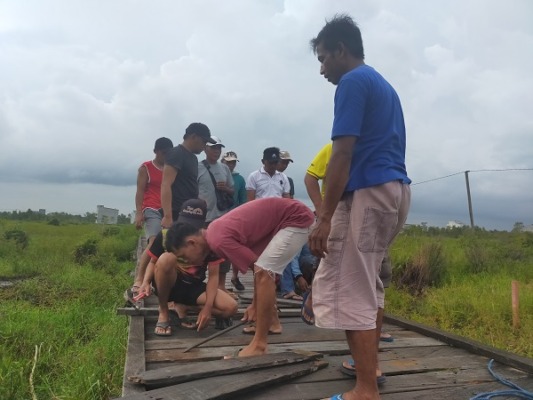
146,288
318,239
302,284
139,219
249,314
166,221
222,186
204,316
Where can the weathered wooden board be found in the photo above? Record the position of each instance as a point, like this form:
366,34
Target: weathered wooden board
153,311
213,353
438,385
172,375
135,355
229,386
470,345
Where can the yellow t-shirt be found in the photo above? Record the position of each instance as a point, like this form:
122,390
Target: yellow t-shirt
319,165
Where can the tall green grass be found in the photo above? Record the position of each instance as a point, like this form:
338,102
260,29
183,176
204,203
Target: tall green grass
472,298
58,319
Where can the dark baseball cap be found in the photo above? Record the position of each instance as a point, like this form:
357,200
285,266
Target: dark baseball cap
271,154
163,143
201,130
193,212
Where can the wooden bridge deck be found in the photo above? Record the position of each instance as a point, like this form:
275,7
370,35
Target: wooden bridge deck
420,363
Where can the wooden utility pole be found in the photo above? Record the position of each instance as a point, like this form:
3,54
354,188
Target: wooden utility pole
469,200
515,304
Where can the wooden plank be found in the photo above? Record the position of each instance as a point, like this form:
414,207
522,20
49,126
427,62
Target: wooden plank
135,355
523,363
229,386
213,353
153,311
172,375
396,388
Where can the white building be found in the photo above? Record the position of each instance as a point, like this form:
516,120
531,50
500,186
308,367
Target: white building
106,215
455,224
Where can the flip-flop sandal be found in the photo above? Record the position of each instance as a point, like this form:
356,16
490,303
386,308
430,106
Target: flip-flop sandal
351,372
336,397
386,337
235,354
293,296
163,325
186,322
307,310
250,330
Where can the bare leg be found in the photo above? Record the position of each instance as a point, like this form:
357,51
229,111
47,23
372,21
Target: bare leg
265,296
379,324
363,348
224,305
143,263
165,277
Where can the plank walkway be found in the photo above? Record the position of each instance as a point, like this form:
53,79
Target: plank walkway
305,361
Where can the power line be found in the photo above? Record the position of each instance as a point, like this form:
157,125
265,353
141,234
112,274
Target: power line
476,170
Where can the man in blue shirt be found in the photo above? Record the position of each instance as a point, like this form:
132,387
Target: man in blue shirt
366,200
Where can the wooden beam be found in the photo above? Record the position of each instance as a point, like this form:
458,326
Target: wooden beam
504,357
228,386
190,371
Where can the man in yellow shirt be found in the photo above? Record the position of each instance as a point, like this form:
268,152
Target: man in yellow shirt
317,172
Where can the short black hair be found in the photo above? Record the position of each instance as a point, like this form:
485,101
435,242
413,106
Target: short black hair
198,128
163,143
340,29
176,234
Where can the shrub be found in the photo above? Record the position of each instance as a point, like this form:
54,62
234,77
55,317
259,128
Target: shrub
85,251
425,269
477,257
54,222
19,237
110,231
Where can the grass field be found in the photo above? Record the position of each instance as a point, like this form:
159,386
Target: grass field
61,339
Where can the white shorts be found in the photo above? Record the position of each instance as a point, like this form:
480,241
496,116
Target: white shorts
282,248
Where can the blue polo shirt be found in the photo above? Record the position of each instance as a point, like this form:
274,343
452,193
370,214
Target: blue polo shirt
368,107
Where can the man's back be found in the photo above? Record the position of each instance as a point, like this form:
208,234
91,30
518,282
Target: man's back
185,186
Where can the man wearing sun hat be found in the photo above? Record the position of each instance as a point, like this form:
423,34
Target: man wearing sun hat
239,185
214,178
239,197
285,159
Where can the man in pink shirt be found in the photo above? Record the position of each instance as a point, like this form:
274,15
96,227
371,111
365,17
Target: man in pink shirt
262,235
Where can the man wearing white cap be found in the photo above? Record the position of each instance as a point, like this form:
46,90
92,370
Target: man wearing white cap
285,159
215,183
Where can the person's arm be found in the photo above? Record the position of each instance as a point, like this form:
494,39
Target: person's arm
313,191
226,186
339,167
286,187
169,176
204,316
242,196
250,195
251,187
146,286
142,181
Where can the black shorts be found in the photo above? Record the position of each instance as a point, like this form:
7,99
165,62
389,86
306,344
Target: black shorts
186,291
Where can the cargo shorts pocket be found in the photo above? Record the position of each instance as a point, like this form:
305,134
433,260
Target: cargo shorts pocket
377,231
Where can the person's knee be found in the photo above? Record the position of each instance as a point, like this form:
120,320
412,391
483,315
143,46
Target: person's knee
229,308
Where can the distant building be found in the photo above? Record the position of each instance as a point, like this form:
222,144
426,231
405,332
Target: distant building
106,215
455,224
42,211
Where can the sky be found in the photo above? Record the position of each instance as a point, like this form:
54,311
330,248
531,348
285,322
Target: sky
86,87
